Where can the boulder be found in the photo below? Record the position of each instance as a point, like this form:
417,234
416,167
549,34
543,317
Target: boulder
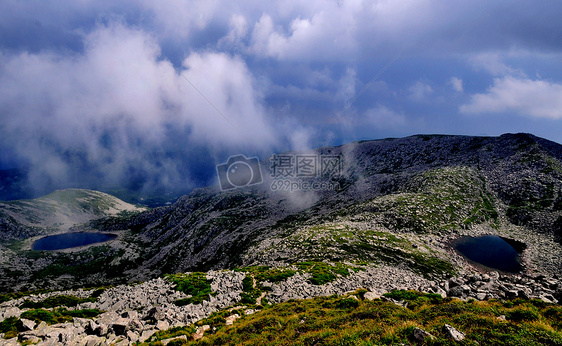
146,334
27,324
456,291
12,312
162,325
420,335
132,336
92,340
200,332
182,338
155,314
132,315
453,333
96,328
29,337
230,319
371,296
120,327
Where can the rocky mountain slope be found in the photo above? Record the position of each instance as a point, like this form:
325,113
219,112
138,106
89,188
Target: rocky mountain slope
390,225
399,202
155,311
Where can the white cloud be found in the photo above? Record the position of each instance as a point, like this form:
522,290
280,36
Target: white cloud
228,84
536,98
179,18
111,107
383,117
238,30
347,85
492,63
299,137
456,83
308,37
420,91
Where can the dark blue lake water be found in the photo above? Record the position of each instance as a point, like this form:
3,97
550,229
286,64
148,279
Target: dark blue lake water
492,251
70,240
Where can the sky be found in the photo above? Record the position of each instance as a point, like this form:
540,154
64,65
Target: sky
104,93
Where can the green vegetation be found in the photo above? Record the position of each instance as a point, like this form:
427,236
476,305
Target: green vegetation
436,201
55,301
80,200
10,327
171,333
252,284
349,320
195,284
249,294
16,295
323,273
364,246
265,273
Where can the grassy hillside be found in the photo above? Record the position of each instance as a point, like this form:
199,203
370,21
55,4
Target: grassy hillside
63,209
352,320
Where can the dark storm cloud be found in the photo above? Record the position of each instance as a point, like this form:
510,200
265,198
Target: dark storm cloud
86,91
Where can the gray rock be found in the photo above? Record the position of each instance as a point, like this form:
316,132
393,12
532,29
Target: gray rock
453,333
162,325
132,315
167,341
27,324
371,296
132,336
420,334
453,282
12,312
120,327
146,334
155,313
29,337
456,291
548,298
91,340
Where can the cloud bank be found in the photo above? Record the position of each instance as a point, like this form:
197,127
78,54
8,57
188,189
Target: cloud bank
118,107
535,98
156,93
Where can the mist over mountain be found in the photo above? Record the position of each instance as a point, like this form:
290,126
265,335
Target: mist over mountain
382,231
425,189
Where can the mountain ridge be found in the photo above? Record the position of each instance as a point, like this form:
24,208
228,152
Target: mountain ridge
507,185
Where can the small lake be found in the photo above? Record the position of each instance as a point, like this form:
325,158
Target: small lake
492,251
70,240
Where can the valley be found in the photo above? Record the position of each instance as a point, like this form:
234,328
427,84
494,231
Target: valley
393,224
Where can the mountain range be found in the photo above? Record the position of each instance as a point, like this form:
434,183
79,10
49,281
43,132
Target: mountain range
398,201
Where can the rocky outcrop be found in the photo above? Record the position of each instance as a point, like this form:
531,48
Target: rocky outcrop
496,286
133,313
